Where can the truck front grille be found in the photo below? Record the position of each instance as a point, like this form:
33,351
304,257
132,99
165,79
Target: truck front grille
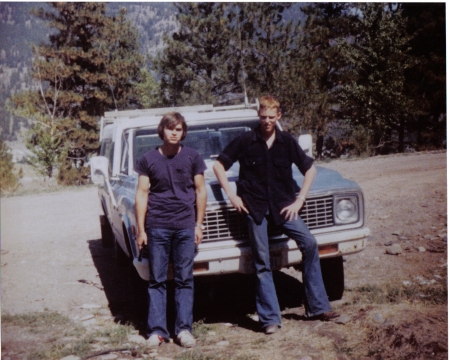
227,223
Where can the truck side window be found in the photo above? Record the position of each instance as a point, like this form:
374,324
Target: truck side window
125,157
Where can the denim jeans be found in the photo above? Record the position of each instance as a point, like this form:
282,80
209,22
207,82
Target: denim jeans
316,299
160,244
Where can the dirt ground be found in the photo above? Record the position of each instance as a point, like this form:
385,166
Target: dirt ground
52,258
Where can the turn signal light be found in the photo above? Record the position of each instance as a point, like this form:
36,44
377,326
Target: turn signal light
328,249
202,266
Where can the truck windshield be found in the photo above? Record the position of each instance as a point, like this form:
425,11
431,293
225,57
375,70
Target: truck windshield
208,139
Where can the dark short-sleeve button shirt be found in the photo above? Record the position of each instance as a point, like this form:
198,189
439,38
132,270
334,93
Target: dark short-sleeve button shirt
265,176
172,195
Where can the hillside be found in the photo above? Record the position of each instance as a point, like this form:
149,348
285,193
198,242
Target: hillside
19,29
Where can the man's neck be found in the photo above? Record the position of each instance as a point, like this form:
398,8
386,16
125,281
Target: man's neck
169,149
269,138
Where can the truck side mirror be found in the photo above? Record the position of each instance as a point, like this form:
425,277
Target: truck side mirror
305,142
99,169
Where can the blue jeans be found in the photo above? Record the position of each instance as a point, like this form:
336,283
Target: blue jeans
267,306
160,243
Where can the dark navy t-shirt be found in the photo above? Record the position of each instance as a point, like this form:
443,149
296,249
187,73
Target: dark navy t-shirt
171,197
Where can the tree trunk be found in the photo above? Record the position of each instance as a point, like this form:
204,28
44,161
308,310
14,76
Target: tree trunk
319,146
401,136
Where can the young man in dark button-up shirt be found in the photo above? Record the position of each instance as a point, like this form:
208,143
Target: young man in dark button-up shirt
266,189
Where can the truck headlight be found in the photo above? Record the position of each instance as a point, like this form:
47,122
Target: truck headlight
346,210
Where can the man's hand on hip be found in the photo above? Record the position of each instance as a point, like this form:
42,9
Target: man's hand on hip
291,211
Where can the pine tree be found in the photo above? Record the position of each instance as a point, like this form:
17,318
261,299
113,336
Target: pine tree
90,66
426,80
148,91
271,60
347,65
44,137
8,179
199,65
372,96
222,49
326,29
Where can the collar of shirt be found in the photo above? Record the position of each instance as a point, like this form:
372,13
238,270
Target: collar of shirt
257,135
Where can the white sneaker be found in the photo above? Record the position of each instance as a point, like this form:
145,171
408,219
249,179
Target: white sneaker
186,339
155,340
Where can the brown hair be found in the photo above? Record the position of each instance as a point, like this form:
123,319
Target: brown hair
170,120
269,102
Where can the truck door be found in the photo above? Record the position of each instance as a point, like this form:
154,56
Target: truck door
123,187
107,150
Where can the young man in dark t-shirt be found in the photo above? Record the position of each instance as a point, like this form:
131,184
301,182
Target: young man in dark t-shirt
170,184
266,189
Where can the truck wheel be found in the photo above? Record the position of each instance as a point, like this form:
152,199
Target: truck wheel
333,277
107,234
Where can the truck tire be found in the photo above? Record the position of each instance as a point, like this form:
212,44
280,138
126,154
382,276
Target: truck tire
107,233
333,277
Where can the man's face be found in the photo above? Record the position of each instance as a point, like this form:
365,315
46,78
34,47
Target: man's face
173,136
268,119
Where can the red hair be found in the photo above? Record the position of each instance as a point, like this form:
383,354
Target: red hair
269,102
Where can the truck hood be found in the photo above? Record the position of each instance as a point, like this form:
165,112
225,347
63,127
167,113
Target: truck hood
325,180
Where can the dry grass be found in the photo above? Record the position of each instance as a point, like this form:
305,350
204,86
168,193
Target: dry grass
56,336
386,322
396,293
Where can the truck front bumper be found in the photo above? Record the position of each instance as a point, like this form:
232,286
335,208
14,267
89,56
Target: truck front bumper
215,259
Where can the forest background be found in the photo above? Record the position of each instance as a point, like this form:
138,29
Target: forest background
362,78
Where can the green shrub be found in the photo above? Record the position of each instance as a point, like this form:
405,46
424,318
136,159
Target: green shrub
68,174
9,181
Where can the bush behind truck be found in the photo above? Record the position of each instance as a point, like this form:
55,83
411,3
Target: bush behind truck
334,208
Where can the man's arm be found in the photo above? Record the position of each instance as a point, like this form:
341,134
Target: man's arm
221,175
141,209
293,209
200,200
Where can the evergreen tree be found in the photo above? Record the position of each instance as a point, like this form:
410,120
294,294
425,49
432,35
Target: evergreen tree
327,29
222,49
349,64
272,61
148,91
46,147
89,67
373,97
426,80
44,137
9,181
271,56
198,65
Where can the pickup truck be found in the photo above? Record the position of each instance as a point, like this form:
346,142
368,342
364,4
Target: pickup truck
334,208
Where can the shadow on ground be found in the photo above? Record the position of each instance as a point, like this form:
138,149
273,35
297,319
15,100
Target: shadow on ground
218,299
